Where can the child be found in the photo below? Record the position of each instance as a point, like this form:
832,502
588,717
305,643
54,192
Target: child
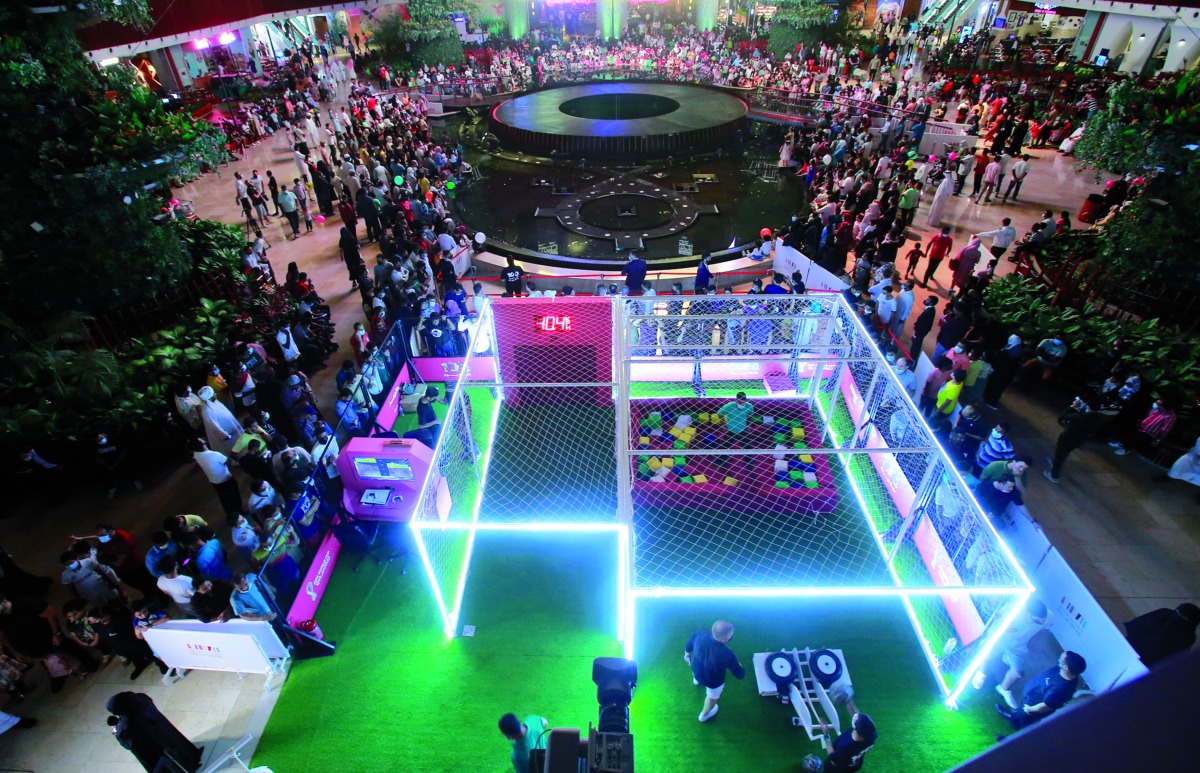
145,617
914,257
308,220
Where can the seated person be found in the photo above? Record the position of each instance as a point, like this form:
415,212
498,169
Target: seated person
1048,692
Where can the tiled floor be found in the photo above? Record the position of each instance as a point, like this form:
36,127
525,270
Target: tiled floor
1136,544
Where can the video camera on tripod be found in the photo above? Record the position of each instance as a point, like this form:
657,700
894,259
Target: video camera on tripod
608,747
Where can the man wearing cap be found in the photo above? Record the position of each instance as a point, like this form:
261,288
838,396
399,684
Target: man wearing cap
1048,693
846,752
220,427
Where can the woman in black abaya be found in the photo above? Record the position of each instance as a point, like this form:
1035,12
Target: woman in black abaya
142,729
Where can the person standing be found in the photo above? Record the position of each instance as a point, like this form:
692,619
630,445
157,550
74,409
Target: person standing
710,657
937,250
736,414
635,273
1158,635
1020,171
115,627
514,278
1005,364
922,326
941,198
991,178
703,275
210,557
141,728
273,189
904,306
908,203
216,468
89,579
525,736
845,753
289,205
178,586
963,264
1081,422
1002,238
1014,651
1048,693
1185,468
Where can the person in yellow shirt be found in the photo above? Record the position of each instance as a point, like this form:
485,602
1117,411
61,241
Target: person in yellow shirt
220,387
947,397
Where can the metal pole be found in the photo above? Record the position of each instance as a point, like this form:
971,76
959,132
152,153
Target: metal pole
622,441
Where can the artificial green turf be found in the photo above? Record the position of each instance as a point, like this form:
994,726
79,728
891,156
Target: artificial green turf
552,463
891,678
396,696
753,388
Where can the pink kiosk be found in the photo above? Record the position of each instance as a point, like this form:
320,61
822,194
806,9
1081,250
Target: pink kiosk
383,477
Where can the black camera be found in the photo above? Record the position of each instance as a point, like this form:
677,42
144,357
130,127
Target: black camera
609,745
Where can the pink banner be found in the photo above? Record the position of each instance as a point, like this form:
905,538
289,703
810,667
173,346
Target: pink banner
315,582
961,608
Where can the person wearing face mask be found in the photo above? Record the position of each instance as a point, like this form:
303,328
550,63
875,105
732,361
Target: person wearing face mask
89,579
117,549
1151,432
958,357
996,447
907,378
242,386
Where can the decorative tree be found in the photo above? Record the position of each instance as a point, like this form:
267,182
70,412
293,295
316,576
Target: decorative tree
82,146
796,22
1153,135
427,37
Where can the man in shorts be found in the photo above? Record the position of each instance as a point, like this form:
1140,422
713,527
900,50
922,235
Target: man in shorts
1015,650
706,652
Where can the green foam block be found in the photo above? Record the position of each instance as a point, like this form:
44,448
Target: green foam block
811,484
796,474
781,484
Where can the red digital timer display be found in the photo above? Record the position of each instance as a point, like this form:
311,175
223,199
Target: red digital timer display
552,323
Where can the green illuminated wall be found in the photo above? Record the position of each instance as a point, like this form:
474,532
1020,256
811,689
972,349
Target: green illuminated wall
612,16
706,13
516,15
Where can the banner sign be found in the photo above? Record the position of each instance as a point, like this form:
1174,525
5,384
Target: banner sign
961,608
315,582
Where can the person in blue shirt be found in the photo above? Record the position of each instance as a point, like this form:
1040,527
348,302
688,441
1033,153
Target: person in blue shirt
210,557
778,286
706,652
161,546
1047,693
247,599
703,275
635,273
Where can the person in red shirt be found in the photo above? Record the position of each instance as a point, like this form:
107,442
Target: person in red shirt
939,247
914,257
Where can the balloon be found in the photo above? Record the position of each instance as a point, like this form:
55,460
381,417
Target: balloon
951,155
1108,185
449,185
480,238
827,159
1139,180
398,180
320,218
128,200
765,233
429,197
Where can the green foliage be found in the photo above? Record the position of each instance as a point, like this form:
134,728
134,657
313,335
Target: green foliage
798,21
1146,133
1166,358
428,37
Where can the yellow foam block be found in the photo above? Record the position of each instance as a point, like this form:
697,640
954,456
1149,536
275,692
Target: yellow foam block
676,433
704,418
806,458
797,433
730,481
668,462
643,440
654,463
690,432
699,479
